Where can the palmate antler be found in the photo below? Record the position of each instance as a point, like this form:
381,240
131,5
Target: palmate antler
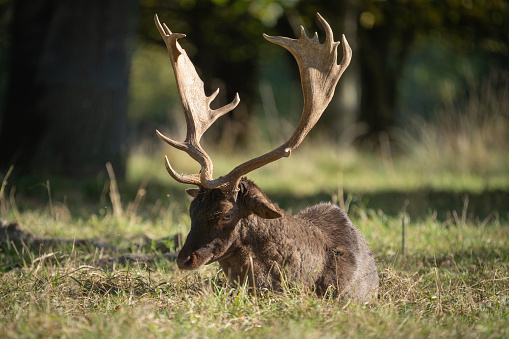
319,74
196,106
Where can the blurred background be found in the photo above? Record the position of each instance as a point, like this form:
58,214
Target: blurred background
423,106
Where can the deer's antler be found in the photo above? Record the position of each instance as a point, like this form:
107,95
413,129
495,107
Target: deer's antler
196,106
319,74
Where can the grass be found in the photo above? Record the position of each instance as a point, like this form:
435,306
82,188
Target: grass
453,281
450,279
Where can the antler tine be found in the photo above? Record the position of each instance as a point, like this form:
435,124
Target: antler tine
193,179
196,105
319,74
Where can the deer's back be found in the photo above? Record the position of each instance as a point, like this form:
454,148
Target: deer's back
349,264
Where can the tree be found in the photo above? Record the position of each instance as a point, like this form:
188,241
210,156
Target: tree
65,111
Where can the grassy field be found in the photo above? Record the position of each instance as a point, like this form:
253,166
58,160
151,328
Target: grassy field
448,188
451,281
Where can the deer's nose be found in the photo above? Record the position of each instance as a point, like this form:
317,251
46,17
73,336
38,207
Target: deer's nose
184,261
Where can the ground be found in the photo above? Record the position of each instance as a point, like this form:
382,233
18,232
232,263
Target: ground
71,271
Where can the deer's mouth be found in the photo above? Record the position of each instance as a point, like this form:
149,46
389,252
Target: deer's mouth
193,261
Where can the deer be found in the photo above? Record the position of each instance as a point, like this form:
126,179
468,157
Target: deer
234,223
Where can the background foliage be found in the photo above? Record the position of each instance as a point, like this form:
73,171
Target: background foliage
411,58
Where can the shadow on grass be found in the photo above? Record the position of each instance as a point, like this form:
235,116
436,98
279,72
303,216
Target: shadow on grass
86,196
418,204
475,257
20,247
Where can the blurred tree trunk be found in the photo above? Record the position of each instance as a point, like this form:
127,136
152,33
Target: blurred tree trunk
346,102
67,97
382,53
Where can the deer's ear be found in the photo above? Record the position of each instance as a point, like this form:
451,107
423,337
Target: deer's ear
258,203
267,210
192,192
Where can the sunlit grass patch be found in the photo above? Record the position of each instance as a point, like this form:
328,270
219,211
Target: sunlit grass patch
453,280
315,168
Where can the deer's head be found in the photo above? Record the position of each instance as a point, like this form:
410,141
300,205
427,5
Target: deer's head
219,204
215,217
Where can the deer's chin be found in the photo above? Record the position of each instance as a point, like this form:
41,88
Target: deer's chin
221,257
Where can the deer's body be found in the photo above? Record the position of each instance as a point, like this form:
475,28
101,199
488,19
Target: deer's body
232,220
319,247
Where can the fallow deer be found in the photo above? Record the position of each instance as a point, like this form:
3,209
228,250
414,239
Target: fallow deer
234,223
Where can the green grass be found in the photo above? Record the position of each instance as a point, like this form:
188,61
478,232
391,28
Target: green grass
451,281
319,166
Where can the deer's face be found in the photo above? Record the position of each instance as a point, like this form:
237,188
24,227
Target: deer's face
215,218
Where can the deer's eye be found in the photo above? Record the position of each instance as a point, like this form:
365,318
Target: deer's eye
228,216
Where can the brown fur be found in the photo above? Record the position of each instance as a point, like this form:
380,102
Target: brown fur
319,247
